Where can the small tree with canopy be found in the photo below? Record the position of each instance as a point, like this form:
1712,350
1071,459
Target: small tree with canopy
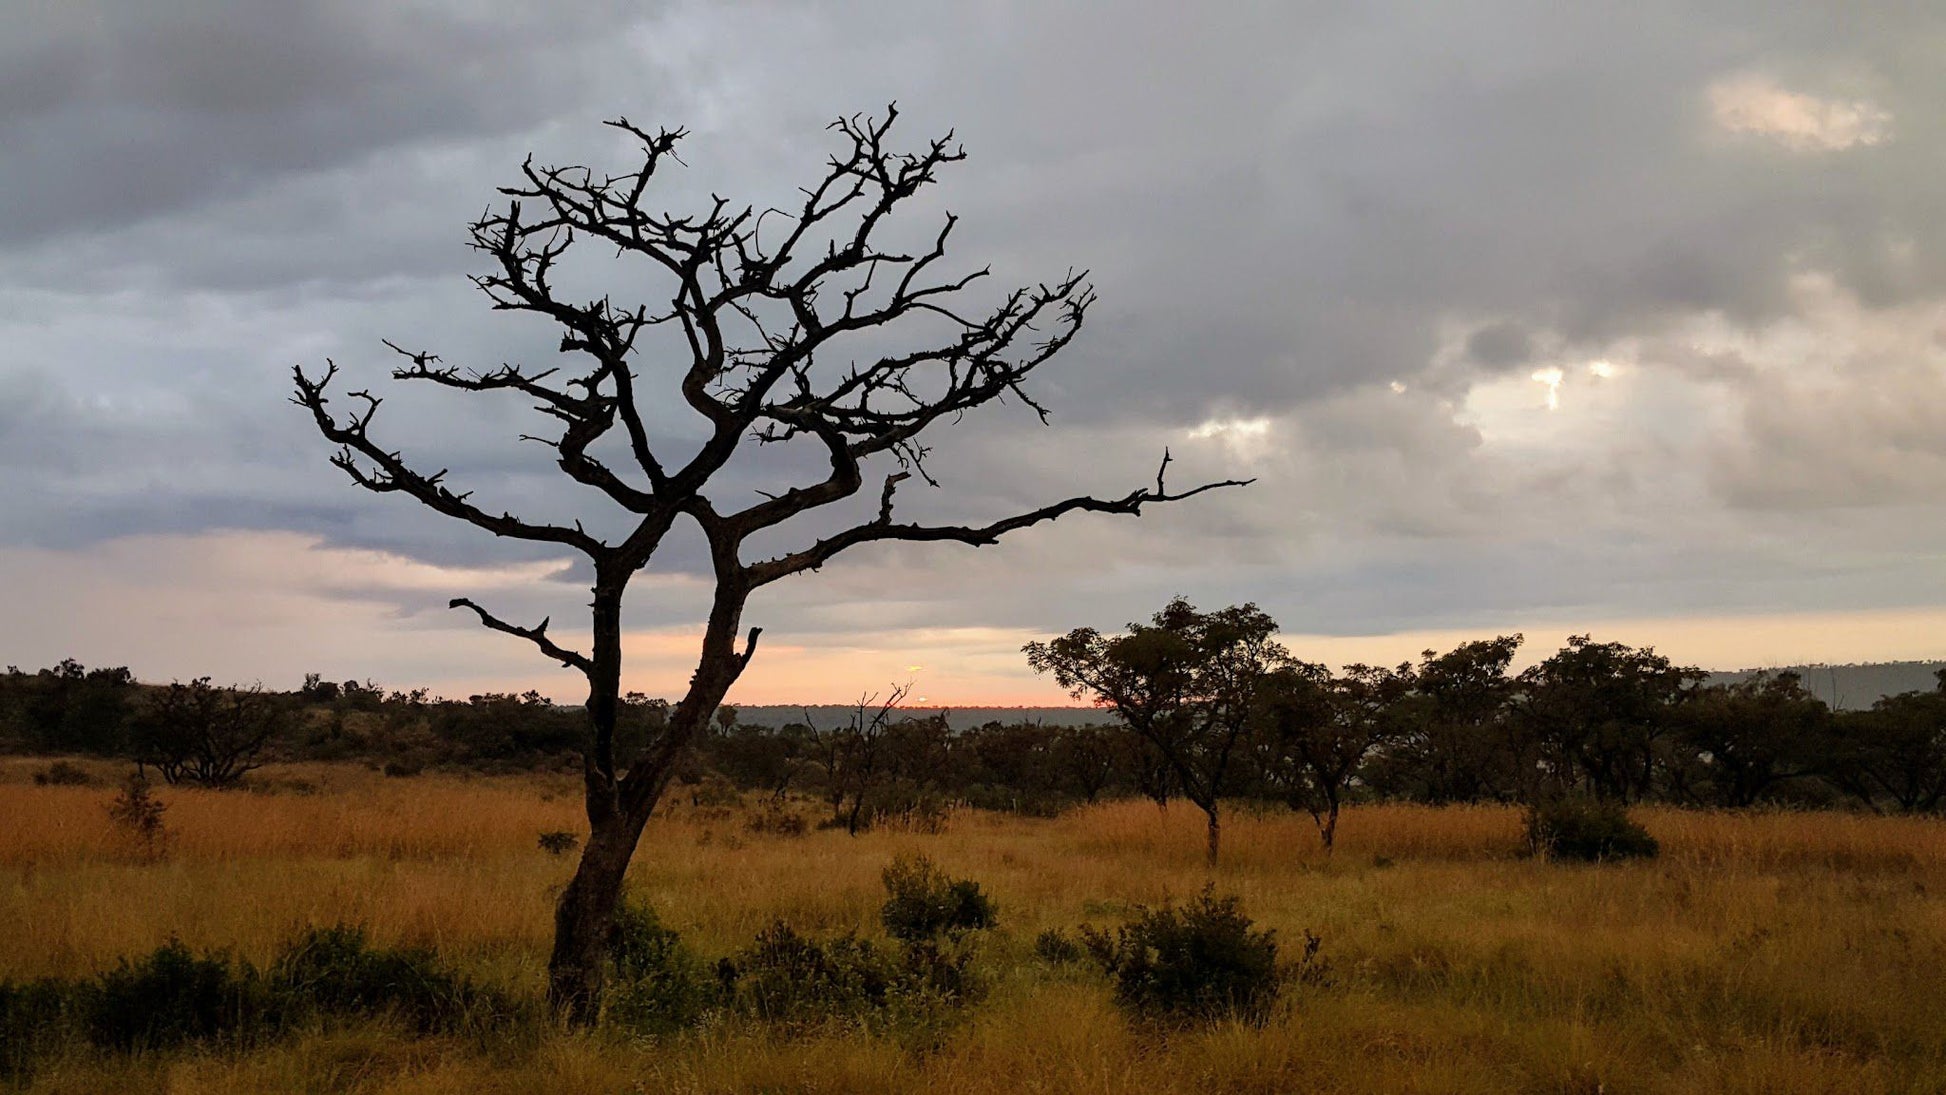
1186,683
783,322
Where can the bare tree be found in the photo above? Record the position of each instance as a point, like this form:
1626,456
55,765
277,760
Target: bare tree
756,300
201,734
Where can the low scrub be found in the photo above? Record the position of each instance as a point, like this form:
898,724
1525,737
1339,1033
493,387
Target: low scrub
1588,830
1201,961
173,996
656,984
797,981
923,902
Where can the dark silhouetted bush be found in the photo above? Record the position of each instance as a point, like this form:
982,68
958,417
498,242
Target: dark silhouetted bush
336,971
63,774
924,903
1054,947
36,1017
1591,830
774,818
558,842
172,996
138,814
1201,961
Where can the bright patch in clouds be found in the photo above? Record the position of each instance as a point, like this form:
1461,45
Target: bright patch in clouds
1551,378
1246,438
1756,105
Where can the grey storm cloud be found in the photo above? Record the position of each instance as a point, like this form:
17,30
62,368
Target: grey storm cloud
1289,210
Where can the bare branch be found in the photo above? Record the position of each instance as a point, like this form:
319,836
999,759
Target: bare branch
882,528
536,635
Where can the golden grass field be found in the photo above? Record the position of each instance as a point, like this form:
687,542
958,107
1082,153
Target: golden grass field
1760,953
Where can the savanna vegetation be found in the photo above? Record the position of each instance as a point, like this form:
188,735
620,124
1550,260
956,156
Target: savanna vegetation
332,929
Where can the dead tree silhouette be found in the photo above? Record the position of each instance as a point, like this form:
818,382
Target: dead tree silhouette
757,298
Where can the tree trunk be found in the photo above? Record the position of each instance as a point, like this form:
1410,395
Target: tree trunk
618,809
582,918
1215,833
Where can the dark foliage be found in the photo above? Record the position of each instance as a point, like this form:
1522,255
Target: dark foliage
337,971
657,985
1056,948
1200,961
172,996
62,774
1590,830
199,733
559,842
137,813
923,902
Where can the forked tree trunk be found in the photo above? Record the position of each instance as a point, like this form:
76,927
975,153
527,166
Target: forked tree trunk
619,809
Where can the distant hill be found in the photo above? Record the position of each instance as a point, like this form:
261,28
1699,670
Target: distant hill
1848,687
1853,687
959,718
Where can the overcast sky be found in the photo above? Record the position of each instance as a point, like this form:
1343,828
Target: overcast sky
1525,316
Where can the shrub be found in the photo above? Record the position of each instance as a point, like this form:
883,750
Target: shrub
559,842
1201,961
63,774
337,971
656,983
35,1018
138,814
1055,948
796,981
775,818
924,903
172,996
1586,829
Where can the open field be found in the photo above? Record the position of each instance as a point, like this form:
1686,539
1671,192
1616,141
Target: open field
1760,953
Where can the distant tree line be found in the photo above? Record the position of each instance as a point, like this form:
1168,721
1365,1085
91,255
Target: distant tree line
1203,707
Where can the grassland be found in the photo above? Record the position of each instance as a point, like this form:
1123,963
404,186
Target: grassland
1760,953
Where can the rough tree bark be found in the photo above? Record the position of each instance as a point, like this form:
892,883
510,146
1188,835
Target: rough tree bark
756,298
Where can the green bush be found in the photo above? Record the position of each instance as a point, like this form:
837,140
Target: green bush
1586,829
795,981
1199,962
1055,948
924,903
657,985
336,971
172,996
35,1018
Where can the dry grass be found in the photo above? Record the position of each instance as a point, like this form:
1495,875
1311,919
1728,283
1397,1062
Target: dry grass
1766,952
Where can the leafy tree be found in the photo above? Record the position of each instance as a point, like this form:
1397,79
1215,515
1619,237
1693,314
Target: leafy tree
780,324
1895,752
1314,732
1185,683
1454,743
1597,712
1743,739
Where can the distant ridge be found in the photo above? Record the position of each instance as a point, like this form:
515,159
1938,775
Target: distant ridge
959,718
1846,687
1852,687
